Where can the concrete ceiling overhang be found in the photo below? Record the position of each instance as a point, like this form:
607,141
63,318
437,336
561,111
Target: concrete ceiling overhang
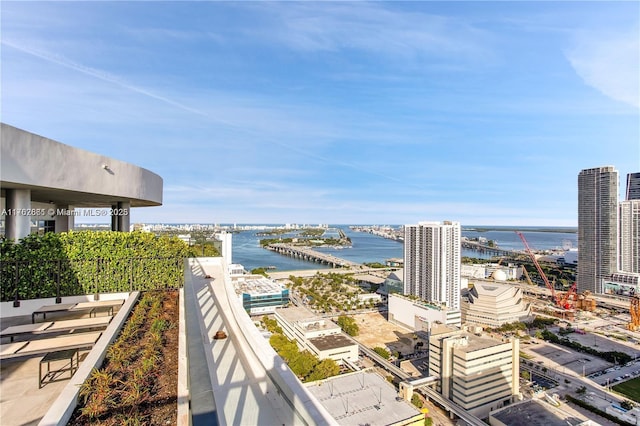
67,176
62,197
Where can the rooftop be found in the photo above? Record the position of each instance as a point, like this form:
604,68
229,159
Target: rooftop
536,413
477,343
362,398
295,314
421,302
257,286
332,341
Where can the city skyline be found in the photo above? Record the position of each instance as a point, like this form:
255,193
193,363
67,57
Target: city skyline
297,112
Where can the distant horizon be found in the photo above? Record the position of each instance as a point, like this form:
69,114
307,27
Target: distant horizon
230,224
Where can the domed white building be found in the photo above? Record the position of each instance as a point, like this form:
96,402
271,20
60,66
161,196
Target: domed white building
499,275
493,305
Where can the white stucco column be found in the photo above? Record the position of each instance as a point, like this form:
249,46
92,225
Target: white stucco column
18,218
65,223
124,221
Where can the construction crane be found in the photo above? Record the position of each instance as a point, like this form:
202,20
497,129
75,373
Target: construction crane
634,310
562,303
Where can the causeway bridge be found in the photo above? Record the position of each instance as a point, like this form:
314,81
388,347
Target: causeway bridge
484,248
310,255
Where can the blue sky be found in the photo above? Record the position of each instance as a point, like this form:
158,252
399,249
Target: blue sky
336,112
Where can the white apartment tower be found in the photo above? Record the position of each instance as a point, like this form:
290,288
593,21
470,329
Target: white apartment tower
597,226
629,236
432,262
629,230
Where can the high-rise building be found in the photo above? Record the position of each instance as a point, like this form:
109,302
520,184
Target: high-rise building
597,226
432,262
476,372
629,236
633,186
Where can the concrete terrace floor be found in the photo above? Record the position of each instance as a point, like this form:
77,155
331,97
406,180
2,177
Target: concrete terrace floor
21,402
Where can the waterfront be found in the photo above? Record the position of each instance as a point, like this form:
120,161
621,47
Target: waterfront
372,248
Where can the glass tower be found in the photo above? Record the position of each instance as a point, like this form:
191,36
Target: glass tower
597,226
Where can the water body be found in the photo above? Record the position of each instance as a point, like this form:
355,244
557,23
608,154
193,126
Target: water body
372,248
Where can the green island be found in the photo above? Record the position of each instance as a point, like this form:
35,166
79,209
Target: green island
311,237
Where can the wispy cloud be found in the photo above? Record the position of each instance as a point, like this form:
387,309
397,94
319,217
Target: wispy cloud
99,74
610,63
370,27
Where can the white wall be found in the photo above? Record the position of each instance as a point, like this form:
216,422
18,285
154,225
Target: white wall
32,160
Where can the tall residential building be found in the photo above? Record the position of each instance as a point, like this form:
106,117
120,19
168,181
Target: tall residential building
432,262
478,373
597,226
633,186
629,236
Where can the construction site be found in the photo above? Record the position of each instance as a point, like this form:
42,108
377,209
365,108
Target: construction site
558,296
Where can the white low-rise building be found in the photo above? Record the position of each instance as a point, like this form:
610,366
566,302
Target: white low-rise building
491,271
320,336
366,297
418,315
493,305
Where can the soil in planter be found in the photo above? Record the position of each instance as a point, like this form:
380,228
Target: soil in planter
138,382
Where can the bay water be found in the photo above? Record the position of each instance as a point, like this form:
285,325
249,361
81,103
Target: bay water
372,248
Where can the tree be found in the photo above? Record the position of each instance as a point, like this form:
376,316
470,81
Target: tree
286,348
303,363
416,400
325,368
382,352
348,325
259,271
525,375
271,325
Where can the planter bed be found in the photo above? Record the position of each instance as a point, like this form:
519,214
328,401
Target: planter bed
137,384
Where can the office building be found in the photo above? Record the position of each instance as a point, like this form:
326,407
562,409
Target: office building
493,305
633,187
597,227
432,262
259,295
478,373
322,337
629,236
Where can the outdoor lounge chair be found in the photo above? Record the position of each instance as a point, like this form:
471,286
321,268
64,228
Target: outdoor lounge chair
28,330
44,346
91,307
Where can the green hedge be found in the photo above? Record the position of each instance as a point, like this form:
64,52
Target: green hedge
86,262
